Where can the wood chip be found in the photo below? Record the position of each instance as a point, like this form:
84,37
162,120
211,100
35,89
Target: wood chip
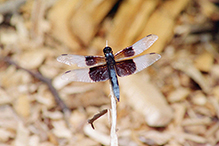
196,129
215,92
204,62
31,59
22,105
187,67
96,135
155,138
60,129
208,8
59,83
8,37
178,95
11,77
5,135
199,98
212,130
192,137
34,140
196,121
48,71
8,118
22,136
179,113
78,119
45,97
215,71
5,98
57,115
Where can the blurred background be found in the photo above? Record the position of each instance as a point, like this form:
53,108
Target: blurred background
174,102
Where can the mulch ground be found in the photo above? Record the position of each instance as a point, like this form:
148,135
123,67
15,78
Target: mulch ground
174,102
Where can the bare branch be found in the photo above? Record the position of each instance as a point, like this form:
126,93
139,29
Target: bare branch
97,116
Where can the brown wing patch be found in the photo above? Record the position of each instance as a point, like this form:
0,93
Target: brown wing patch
93,60
125,68
99,73
136,48
127,52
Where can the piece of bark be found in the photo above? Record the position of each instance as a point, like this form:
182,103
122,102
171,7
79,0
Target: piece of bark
145,98
162,23
60,16
87,18
129,22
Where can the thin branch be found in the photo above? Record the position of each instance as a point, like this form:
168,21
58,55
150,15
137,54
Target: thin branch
97,116
48,82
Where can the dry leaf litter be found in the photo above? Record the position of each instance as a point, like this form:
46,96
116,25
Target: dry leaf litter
174,102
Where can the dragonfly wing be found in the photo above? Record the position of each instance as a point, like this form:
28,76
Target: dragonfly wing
81,61
137,47
89,75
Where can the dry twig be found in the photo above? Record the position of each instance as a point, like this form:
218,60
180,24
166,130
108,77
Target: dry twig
47,81
97,116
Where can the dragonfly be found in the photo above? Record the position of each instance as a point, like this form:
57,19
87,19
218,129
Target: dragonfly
108,67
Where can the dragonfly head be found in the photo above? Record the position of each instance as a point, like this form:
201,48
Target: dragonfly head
107,50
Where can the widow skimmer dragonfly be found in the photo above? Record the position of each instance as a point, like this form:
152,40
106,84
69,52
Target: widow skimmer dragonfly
102,68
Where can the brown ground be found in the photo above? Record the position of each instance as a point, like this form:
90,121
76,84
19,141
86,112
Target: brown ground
174,102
